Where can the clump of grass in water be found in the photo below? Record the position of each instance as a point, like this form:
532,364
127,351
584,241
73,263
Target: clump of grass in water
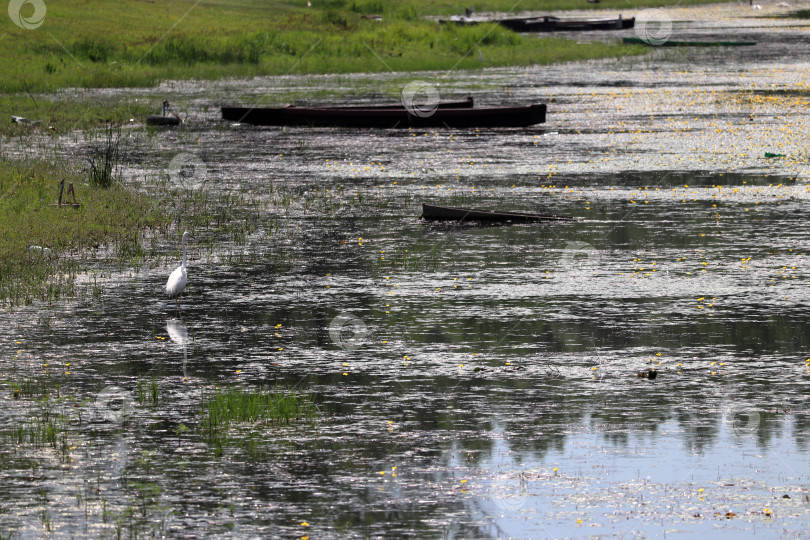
798,14
47,431
104,159
233,405
41,387
229,406
150,395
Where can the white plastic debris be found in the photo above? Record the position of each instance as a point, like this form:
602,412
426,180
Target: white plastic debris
40,250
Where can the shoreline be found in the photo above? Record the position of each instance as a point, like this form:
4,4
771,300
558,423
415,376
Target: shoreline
269,39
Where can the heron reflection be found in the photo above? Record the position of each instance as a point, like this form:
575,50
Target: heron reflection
178,333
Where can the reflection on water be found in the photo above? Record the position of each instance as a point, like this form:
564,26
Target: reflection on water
472,381
178,333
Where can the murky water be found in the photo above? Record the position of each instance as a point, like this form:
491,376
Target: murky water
473,381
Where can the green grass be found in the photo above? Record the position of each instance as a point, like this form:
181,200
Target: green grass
37,433
39,387
89,43
57,117
47,429
231,407
29,216
449,7
798,14
148,395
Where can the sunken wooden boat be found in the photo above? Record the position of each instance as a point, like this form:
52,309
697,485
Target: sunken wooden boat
448,213
453,116
555,24
680,43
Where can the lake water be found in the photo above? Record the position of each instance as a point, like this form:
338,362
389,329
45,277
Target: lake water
472,382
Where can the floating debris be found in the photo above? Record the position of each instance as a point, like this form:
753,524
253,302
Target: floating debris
22,120
39,250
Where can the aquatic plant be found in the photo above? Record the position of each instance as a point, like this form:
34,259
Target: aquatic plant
799,14
104,158
39,387
148,395
45,430
227,407
231,405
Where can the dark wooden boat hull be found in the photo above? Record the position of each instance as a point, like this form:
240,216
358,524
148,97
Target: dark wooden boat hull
447,213
275,116
462,21
680,43
460,117
553,24
466,103
160,120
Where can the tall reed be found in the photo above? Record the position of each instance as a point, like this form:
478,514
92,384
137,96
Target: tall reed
104,158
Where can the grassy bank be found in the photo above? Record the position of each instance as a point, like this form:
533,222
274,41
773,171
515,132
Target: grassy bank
58,117
89,43
29,217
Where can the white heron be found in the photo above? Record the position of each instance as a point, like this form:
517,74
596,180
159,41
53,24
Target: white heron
178,278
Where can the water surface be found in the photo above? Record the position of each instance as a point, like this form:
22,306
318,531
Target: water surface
472,381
